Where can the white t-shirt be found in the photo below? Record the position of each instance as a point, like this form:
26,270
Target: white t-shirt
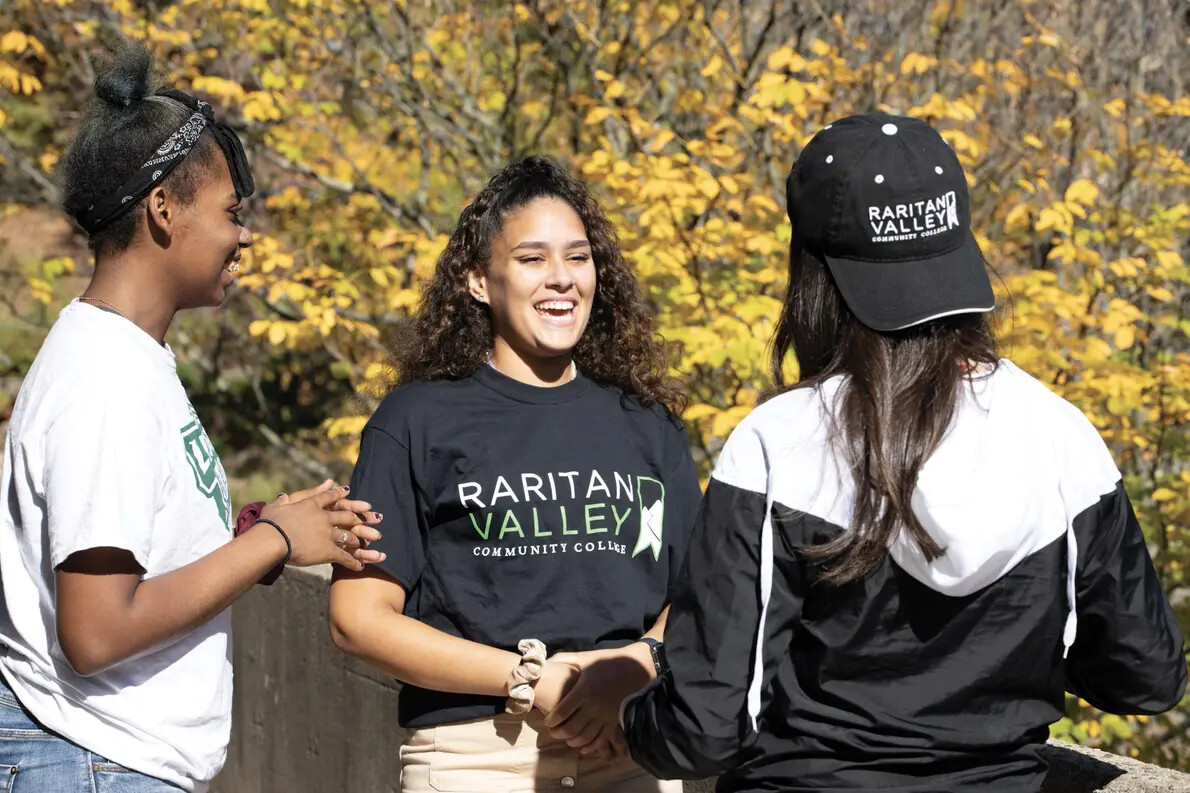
104,449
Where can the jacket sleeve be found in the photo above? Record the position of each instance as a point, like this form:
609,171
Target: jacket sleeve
1128,656
738,592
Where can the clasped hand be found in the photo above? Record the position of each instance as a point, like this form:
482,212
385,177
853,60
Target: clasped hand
580,694
323,525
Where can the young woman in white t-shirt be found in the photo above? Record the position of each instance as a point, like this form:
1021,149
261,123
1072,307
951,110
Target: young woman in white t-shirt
117,556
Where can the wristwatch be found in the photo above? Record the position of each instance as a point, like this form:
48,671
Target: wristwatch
657,649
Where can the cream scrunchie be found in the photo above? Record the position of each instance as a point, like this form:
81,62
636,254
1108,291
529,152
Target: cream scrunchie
522,678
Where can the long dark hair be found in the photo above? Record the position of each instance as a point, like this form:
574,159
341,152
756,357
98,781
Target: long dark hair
119,132
894,405
451,333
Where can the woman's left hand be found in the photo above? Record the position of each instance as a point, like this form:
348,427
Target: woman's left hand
588,718
363,530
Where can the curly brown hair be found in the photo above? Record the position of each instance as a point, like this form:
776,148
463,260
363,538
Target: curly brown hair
451,333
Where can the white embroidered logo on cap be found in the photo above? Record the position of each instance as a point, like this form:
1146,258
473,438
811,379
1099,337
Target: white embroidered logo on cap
900,222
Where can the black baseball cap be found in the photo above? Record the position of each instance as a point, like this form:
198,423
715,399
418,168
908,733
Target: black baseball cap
883,200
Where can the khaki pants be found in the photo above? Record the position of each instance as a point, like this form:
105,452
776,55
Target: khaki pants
512,754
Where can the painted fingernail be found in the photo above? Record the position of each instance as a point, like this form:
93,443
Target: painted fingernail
346,489
378,516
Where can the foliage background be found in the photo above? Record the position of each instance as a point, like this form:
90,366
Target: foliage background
370,125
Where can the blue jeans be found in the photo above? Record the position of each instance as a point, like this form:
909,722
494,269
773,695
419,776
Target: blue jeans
34,760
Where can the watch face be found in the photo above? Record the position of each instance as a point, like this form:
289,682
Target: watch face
659,662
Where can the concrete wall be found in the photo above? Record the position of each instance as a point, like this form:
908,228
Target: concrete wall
308,719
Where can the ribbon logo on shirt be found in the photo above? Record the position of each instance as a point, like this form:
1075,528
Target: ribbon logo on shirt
650,494
209,476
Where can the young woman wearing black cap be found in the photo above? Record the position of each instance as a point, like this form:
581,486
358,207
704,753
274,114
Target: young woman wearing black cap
117,556
904,560
539,494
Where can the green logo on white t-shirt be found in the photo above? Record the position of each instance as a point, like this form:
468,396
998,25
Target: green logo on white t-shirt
208,470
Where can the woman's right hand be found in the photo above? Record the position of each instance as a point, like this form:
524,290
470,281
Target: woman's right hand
556,680
323,526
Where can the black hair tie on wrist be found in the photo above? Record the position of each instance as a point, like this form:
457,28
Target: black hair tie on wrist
275,573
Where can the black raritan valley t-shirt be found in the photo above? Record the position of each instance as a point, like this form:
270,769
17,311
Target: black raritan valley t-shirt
513,511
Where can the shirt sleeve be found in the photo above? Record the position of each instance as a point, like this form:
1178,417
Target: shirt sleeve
730,623
384,478
105,469
683,483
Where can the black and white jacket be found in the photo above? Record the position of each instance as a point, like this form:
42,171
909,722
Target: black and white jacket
939,676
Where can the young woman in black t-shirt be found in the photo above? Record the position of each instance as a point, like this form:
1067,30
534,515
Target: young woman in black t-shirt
537,493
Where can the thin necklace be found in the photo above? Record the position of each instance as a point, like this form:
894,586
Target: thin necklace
112,306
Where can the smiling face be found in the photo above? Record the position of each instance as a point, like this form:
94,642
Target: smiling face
540,281
209,239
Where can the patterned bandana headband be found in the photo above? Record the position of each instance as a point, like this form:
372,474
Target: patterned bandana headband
166,158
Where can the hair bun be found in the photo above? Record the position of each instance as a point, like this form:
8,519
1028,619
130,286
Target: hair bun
123,79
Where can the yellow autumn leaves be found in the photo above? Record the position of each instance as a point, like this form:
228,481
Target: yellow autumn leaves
13,46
